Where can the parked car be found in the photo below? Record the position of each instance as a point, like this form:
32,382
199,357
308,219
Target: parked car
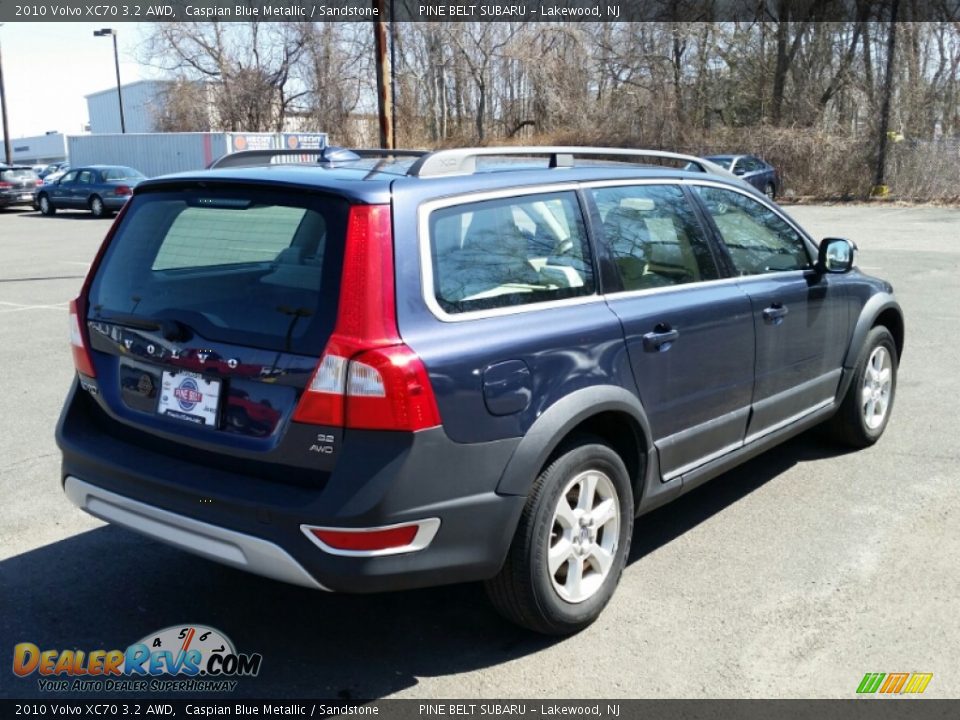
101,189
52,169
17,185
762,175
467,371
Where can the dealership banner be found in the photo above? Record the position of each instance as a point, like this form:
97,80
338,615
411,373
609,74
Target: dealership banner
444,709
450,11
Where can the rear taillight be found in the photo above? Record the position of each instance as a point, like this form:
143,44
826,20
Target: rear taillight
122,190
78,343
4,185
39,181
367,378
79,339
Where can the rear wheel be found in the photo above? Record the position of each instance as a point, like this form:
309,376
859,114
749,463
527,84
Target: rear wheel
571,544
46,207
97,208
865,410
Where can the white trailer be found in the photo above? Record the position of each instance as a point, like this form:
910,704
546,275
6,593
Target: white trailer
162,153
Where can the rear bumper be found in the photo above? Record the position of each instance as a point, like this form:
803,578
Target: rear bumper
112,202
210,541
380,479
7,200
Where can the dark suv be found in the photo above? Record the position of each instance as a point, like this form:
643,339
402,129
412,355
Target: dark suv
387,370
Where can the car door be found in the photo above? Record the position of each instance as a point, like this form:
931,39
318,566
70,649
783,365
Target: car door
61,190
799,315
83,188
749,169
689,333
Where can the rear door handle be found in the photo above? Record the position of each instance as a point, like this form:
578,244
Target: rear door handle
661,339
775,314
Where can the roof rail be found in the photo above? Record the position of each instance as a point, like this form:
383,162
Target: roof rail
329,154
463,161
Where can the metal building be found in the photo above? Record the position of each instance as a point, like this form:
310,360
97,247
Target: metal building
142,101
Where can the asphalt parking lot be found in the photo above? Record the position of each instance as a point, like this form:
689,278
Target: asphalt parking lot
791,576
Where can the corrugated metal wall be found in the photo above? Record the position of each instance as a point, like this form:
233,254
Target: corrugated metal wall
140,105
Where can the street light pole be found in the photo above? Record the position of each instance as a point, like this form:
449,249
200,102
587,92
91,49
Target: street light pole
104,32
3,111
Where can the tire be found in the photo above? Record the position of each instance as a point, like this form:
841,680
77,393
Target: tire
525,591
865,411
770,191
97,208
46,207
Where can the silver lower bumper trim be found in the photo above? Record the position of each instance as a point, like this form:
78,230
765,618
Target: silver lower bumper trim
229,547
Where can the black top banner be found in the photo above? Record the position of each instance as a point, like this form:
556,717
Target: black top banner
115,11
872,709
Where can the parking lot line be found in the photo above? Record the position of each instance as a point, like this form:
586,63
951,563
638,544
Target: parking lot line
19,307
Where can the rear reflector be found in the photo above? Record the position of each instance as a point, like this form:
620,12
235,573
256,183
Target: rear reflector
387,540
367,378
78,343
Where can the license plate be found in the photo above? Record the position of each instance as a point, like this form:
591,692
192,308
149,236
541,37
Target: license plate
27,196
189,396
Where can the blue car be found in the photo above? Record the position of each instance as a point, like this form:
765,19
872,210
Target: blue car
101,189
396,369
759,173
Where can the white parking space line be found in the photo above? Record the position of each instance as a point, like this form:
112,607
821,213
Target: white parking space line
10,307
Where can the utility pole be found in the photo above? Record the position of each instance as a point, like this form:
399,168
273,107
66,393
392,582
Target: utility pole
384,71
880,188
8,152
116,63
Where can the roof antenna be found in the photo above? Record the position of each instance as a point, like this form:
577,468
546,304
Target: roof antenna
332,155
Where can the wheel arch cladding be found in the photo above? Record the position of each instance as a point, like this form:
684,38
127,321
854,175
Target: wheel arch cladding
892,319
881,309
609,412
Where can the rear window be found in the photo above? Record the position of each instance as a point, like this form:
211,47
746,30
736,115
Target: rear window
17,174
122,173
259,269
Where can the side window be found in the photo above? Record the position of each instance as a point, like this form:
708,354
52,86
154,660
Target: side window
757,239
85,177
654,236
69,177
515,251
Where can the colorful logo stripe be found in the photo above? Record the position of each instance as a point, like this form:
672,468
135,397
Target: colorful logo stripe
894,683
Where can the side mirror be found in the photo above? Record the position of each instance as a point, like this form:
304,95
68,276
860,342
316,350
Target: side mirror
836,255
740,171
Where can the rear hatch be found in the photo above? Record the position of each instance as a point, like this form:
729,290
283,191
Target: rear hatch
207,315
18,184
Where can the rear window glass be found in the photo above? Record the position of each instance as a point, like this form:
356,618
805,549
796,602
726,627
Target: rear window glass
122,173
17,174
259,269
517,251
212,236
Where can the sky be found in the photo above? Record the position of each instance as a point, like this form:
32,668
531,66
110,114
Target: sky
49,67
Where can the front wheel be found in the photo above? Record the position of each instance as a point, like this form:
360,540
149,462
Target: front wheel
866,408
46,207
571,545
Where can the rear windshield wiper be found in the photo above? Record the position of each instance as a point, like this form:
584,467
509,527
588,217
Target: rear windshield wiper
170,329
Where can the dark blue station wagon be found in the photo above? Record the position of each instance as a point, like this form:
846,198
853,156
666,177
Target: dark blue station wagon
388,370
